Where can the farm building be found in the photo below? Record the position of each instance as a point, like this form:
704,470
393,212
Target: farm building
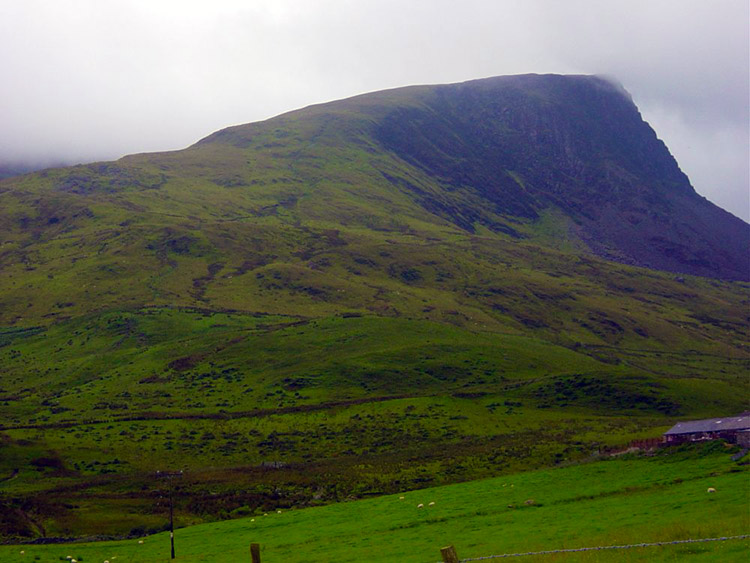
734,429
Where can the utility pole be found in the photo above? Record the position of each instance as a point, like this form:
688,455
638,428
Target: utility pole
169,475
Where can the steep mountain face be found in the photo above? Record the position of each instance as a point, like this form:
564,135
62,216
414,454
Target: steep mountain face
456,262
578,143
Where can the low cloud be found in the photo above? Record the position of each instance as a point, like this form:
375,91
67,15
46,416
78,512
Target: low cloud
96,79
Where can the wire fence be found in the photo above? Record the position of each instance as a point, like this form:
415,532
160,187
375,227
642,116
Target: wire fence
605,547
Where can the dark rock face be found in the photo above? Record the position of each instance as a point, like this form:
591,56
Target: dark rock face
576,143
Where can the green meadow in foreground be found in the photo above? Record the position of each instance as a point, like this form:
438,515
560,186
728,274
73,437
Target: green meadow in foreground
617,501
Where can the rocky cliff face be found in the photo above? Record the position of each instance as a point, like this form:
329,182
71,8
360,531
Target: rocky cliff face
524,144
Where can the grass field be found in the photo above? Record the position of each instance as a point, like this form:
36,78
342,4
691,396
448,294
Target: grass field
616,501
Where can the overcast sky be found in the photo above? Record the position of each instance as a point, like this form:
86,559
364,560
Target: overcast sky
87,80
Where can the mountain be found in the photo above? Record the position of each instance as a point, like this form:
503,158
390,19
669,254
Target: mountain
513,148
410,287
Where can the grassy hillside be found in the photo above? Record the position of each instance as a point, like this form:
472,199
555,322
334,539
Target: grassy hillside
614,502
273,411
304,310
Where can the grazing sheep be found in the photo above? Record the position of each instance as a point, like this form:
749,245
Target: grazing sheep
432,503
400,498
420,505
711,490
529,502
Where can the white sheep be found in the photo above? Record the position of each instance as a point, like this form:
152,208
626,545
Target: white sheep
432,503
711,490
420,505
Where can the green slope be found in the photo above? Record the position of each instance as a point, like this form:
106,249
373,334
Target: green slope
636,500
337,406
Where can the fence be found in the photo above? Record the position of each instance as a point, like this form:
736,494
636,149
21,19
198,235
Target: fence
450,556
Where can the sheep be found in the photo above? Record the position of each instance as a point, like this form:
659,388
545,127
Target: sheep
432,503
711,490
420,505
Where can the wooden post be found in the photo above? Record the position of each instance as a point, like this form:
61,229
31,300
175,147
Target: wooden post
449,554
255,552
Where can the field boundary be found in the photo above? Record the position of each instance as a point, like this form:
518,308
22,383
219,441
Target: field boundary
229,415
447,559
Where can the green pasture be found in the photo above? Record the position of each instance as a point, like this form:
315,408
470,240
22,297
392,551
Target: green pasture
611,502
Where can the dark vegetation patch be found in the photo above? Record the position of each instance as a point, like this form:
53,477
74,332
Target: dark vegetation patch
407,274
186,362
253,263
604,393
9,334
107,178
199,284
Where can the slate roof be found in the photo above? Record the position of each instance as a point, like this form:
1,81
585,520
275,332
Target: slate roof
741,422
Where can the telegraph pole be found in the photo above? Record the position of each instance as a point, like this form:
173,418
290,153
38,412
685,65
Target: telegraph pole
169,475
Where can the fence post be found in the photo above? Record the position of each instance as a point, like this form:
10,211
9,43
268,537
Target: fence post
255,552
449,554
